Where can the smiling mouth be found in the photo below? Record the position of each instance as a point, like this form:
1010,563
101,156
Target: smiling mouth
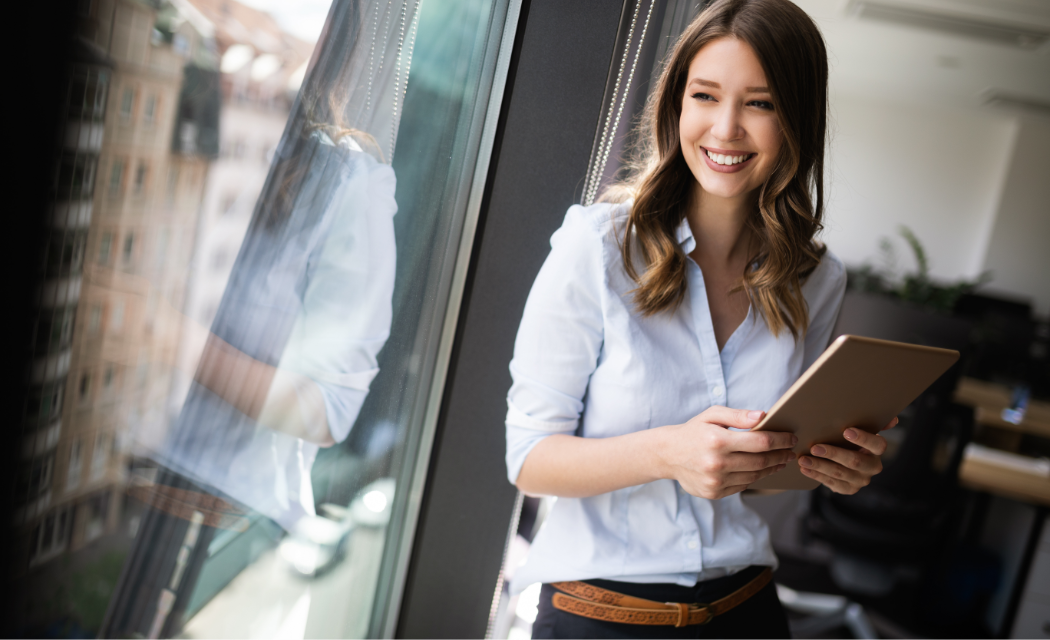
728,160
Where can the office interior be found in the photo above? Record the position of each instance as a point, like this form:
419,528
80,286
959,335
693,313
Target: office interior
495,116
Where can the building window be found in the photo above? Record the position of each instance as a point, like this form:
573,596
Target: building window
149,110
85,386
116,177
141,173
129,247
76,177
127,101
105,246
107,378
74,469
100,456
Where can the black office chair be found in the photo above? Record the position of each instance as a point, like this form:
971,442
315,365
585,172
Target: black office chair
896,526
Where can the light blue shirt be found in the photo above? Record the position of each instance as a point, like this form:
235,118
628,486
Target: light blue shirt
586,364
309,295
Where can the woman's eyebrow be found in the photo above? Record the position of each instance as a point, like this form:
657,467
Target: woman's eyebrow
715,85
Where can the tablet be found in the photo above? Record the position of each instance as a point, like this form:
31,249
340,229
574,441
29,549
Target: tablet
857,382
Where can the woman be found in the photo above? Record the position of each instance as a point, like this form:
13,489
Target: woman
703,289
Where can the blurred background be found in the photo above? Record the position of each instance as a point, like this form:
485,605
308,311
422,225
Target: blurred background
157,133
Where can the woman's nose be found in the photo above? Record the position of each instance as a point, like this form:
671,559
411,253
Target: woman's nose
727,124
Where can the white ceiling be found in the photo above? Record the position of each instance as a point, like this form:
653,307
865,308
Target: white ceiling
911,65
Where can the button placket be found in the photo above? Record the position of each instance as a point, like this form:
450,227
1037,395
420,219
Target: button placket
705,335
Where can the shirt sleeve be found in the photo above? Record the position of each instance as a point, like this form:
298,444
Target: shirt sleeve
559,339
824,291
347,304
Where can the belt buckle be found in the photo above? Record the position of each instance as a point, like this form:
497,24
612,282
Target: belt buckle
710,614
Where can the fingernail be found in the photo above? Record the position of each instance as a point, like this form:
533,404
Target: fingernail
805,462
819,450
850,434
794,440
780,466
754,415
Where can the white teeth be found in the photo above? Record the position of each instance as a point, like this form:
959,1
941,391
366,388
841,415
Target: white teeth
723,159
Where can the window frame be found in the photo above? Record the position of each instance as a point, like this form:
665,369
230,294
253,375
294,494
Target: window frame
467,473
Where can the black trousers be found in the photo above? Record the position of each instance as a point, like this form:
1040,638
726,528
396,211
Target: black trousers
761,616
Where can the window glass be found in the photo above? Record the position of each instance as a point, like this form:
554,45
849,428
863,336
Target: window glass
244,446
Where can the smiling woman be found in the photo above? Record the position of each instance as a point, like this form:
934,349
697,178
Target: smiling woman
663,324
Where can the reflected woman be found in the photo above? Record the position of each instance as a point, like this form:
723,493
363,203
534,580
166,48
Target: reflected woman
662,325
289,359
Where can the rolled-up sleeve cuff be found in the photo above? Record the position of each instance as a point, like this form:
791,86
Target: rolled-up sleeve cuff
524,432
518,418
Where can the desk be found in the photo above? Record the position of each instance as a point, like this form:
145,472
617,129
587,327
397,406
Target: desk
992,398
1029,608
988,400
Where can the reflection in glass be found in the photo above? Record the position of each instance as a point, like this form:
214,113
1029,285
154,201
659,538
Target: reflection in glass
243,306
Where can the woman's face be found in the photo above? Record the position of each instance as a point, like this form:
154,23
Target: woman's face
729,131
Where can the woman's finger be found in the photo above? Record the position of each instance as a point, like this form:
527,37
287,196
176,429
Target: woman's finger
893,423
835,484
860,461
836,469
870,441
740,461
750,477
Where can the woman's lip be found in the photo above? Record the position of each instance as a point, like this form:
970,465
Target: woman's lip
724,168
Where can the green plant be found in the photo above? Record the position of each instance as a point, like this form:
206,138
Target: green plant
915,287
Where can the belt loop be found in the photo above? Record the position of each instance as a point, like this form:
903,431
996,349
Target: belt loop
683,613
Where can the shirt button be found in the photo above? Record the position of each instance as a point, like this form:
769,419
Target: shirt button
718,391
693,544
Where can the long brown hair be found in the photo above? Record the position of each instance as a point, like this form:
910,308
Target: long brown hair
790,205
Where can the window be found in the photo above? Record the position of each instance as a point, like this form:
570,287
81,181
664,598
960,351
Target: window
73,471
44,405
116,177
149,109
141,173
129,247
127,102
85,386
105,246
100,455
189,253
76,177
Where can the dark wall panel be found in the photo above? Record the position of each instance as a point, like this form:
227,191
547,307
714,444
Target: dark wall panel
550,113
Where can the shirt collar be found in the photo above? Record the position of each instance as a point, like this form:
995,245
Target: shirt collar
684,234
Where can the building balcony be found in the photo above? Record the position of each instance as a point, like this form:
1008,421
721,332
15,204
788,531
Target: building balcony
84,136
59,292
41,441
36,507
71,214
50,368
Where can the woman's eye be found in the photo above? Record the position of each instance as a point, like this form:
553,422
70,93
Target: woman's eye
763,104
703,96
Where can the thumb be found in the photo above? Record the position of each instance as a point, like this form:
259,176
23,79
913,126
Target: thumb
738,418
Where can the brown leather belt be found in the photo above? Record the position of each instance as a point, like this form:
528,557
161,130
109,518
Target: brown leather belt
601,604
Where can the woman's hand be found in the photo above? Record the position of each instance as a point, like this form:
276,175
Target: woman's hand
842,470
712,462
